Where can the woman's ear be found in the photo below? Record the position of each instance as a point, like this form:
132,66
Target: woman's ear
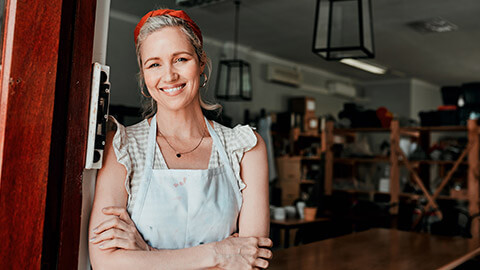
203,61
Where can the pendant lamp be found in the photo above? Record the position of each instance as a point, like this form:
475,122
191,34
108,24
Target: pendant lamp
234,81
343,29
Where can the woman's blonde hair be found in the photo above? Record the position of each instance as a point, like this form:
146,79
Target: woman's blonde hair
153,24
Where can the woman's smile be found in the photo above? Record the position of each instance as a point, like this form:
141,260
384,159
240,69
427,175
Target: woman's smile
173,90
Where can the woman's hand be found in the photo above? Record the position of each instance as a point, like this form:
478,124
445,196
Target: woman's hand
118,232
243,252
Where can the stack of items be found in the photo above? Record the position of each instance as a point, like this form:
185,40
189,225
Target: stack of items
354,116
305,107
458,103
471,101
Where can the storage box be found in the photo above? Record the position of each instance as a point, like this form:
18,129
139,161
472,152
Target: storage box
310,124
429,118
448,118
302,105
289,174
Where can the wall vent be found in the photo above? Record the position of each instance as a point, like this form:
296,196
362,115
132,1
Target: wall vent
284,75
342,89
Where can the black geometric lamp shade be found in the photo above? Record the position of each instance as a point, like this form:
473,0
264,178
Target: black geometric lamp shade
343,29
234,82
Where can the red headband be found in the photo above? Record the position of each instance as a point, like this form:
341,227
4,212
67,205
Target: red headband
174,13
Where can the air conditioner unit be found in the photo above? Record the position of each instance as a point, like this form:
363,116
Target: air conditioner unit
342,89
284,75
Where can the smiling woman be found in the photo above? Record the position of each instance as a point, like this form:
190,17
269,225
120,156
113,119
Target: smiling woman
171,69
178,191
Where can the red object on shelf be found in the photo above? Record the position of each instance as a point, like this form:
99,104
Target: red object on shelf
385,116
447,108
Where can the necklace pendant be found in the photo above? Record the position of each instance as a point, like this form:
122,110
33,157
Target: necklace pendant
179,155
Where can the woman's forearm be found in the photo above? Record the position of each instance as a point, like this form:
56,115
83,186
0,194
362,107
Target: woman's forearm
199,257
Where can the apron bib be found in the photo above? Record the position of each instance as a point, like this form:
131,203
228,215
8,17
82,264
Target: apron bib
180,208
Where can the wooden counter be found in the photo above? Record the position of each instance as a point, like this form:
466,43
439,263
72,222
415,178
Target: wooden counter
379,249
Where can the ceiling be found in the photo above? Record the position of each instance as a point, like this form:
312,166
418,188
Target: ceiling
284,28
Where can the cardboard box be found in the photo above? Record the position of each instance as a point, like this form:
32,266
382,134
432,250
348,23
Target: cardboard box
310,123
289,174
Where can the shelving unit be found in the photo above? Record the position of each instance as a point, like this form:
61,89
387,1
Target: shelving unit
292,173
397,158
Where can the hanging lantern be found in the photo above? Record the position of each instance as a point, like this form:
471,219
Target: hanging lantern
343,29
233,80
234,76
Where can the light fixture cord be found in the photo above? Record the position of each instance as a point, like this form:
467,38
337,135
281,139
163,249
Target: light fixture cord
235,42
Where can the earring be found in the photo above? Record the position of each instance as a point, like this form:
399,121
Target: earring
205,81
144,94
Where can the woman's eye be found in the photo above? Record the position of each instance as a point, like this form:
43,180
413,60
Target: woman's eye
153,65
181,59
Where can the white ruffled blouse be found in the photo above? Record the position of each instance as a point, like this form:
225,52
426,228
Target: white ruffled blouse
130,145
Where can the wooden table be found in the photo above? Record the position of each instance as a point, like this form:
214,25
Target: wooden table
379,249
293,223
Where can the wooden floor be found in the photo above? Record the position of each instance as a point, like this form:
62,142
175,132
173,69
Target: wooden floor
379,249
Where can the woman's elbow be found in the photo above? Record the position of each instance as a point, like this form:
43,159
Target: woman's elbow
102,259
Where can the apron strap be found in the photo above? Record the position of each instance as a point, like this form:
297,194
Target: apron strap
147,170
151,145
220,148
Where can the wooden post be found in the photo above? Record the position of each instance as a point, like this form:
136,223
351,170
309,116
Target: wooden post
28,79
423,168
328,158
473,175
394,171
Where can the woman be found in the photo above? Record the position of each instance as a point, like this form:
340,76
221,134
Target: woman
175,188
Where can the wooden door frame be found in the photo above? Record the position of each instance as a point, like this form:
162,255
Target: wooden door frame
44,98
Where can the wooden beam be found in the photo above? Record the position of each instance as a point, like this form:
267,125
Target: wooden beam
394,171
473,178
419,182
449,175
28,78
328,158
76,128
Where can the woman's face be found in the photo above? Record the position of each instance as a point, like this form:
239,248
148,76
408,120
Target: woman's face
171,68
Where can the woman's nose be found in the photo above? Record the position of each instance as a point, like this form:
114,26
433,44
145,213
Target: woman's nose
170,74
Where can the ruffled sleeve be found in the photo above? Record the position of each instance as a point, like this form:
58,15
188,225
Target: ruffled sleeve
120,146
243,140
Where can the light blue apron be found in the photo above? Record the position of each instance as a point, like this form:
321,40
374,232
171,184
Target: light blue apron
183,208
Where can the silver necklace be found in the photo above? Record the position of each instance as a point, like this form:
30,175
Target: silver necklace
179,154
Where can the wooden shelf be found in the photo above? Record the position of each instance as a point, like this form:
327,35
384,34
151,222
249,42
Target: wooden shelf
353,191
307,181
301,157
361,160
435,162
437,128
387,160
290,157
418,170
356,130
311,158
310,135
407,129
359,191
402,195
440,197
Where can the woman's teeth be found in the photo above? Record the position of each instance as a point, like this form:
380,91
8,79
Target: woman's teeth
170,90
